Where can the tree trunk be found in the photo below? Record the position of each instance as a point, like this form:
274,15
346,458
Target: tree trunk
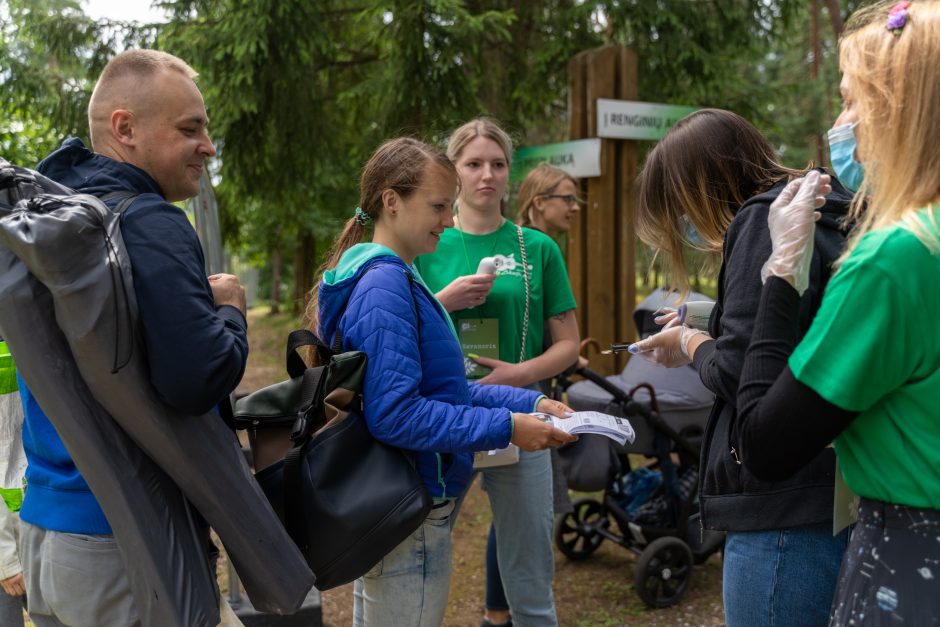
835,16
816,51
304,259
275,282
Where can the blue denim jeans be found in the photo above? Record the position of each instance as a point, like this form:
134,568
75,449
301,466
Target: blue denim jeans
781,578
521,499
410,585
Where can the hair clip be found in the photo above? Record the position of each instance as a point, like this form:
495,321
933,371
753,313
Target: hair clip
362,218
897,17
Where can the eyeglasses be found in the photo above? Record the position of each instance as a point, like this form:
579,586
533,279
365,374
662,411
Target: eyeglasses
568,199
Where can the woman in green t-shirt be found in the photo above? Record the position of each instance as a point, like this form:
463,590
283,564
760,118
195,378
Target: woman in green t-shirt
868,370
500,312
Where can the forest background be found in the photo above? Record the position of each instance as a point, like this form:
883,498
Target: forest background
300,92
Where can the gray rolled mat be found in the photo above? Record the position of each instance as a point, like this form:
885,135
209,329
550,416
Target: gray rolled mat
87,370
164,555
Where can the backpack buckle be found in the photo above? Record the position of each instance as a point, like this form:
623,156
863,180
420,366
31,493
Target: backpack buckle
299,430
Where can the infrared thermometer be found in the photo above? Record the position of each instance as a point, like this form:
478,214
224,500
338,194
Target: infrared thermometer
487,265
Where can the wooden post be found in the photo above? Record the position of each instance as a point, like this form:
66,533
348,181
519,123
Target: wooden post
601,243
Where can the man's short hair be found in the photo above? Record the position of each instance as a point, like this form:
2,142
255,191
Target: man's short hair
123,82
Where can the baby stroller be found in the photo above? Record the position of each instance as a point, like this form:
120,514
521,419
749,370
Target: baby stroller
652,510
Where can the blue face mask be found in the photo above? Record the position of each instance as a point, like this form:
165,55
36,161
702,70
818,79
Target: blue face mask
842,154
691,234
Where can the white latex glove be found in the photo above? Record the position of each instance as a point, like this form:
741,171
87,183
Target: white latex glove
792,222
668,348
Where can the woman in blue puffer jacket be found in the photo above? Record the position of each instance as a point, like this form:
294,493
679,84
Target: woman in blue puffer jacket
415,395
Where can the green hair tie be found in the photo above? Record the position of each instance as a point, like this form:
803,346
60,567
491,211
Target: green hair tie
362,218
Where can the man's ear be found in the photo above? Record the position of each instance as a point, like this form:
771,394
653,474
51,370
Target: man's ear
123,128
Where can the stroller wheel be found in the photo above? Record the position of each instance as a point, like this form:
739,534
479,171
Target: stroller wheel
663,571
576,532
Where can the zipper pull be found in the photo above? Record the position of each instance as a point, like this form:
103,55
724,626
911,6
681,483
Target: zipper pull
734,454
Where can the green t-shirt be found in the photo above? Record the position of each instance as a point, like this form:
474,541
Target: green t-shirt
458,254
874,348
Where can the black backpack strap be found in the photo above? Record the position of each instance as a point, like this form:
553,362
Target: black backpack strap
311,397
296,340
124,198
293,498
411,290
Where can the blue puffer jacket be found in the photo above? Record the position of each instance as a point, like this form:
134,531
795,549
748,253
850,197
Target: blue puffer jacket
415,393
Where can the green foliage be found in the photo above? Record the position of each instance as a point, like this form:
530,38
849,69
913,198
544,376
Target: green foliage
299,93
50,56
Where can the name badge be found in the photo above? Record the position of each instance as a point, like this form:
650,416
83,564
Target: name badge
478,336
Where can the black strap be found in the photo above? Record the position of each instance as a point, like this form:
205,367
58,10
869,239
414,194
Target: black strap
296,340
124,198
293,498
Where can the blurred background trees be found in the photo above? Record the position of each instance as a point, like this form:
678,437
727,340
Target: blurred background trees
299,93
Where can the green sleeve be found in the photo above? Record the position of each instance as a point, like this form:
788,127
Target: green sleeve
864,341
558,295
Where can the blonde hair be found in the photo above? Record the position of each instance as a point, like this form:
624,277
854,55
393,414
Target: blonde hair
124,81
541,180
480,127
893,82
706,167
399,164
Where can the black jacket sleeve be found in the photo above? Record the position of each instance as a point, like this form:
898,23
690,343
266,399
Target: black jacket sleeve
782,423
196,352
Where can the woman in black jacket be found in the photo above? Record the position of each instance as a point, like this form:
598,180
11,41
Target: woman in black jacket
709,184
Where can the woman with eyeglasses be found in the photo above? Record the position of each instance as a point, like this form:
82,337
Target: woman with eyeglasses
709,185
548,200
500,312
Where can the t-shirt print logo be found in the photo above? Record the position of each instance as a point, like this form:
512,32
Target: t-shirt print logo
504,263
507,264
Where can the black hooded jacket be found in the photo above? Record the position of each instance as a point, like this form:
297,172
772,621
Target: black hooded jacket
732,499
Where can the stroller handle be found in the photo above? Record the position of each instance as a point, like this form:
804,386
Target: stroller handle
632,407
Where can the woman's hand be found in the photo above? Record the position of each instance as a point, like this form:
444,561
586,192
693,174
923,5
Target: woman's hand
666,316
792,223
553,407
466,291
504,373
531,434
672,347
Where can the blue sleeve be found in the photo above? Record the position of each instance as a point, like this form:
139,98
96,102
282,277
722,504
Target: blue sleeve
196,352
518,400
379,321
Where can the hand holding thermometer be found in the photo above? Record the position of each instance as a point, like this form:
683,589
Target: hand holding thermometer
694,314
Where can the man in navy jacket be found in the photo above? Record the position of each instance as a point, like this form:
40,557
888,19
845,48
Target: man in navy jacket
148,131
